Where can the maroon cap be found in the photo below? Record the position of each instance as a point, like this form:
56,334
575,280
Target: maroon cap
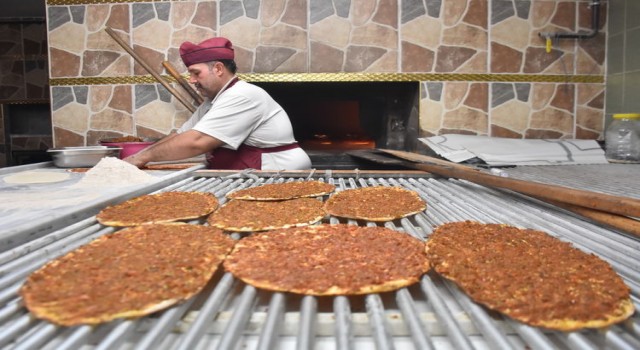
209,50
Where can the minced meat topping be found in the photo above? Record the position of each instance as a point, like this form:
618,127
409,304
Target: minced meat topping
126,272
246,216
527,274
329,260
287,190
161,207
378,203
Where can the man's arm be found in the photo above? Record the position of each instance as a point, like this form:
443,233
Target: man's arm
188,144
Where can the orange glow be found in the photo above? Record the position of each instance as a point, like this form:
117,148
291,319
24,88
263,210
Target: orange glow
337,144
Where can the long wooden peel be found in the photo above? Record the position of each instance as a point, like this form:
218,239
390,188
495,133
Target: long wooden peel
592,200
185,85
620,222
150,69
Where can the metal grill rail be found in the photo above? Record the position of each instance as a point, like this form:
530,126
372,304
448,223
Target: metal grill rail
432,314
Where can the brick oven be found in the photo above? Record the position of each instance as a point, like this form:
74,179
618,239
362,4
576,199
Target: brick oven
330,119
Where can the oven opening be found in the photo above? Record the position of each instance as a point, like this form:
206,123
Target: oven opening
332,118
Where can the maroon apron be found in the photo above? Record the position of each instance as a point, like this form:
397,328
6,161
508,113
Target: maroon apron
245,157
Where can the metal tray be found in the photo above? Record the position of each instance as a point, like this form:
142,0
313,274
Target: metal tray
84,156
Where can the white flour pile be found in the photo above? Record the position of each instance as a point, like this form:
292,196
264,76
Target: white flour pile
111,171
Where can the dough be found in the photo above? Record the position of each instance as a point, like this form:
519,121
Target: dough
36,177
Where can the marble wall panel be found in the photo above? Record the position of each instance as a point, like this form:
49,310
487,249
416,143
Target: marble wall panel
268,36
454,107
353,36
444,36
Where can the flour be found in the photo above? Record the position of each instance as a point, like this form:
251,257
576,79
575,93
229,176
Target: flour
112,171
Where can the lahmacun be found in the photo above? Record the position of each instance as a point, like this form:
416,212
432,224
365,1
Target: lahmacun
127,274
283,191
329,260
378,203
159,208
249,216
529,275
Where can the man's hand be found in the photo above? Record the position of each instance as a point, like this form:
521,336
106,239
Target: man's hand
136,159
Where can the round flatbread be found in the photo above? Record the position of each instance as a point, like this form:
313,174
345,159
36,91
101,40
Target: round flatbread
35,177
249,216
375,203
529,275
159,208
329,260
282,191
130,273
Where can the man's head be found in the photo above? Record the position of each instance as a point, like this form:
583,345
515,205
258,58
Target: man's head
211,64
214,49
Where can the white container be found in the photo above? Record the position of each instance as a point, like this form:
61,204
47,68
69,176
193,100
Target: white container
622,139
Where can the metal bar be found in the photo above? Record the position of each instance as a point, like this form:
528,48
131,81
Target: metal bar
18,252
207,313
39,335
55,249
16,328
419,333
379,329
10,309
496,338
632,326
615,341
307,330
167,322
532,336
9,292
241,314
454,331
77,338
575,340
269,334
118,335
343,327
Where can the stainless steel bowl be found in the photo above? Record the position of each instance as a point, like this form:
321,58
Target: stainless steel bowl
84,156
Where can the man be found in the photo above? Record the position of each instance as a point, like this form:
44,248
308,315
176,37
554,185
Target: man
238,126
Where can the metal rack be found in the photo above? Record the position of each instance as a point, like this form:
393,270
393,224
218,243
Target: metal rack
432,314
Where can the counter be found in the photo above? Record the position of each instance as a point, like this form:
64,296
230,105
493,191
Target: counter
29,211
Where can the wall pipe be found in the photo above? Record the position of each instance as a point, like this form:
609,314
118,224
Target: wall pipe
595,24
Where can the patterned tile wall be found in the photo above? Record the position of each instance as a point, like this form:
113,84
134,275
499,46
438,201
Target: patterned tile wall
461,37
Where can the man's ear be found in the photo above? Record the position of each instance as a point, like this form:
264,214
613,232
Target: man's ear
218,68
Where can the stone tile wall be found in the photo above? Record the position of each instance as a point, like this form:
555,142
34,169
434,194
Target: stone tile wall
474,41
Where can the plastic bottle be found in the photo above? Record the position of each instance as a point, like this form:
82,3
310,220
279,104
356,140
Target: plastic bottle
622,139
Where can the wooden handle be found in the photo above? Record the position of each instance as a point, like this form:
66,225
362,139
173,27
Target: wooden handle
599,201
149,69
185,85
619,222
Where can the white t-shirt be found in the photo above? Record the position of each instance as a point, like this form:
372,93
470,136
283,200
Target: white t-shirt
245,113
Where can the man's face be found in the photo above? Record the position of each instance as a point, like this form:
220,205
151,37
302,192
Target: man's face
205,78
